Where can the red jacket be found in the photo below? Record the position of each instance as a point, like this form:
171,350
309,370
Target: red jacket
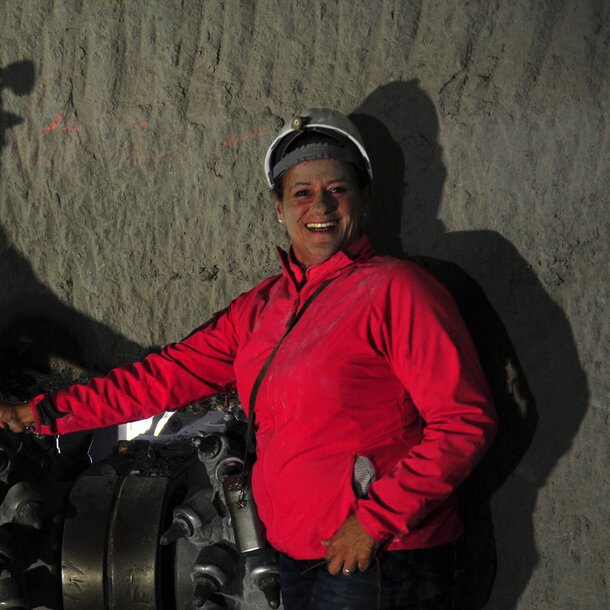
380,365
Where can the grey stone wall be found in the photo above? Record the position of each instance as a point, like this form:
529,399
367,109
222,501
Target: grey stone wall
133,204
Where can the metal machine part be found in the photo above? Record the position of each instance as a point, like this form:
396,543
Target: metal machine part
22,505
83,565
148,527
7,458
190,518
266,577
248,528
11,595
214,567
10,592
122,505
134,564
186,522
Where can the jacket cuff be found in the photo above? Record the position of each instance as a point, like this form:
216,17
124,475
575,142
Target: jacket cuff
371,525
45,414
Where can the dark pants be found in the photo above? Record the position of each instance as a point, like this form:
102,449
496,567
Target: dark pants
400,580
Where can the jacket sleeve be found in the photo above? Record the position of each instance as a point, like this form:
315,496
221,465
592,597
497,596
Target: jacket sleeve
197,367
425,340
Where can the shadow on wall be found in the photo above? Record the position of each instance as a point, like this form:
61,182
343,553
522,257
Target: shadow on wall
44,343
400,127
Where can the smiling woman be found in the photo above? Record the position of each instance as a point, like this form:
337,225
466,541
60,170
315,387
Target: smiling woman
380,371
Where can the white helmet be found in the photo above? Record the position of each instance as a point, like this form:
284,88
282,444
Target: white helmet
343,142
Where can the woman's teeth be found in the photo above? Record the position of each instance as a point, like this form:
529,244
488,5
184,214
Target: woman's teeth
320,226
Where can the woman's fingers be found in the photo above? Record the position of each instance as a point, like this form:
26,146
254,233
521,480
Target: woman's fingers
350,549
15,417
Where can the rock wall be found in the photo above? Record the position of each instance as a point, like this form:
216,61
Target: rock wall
133,203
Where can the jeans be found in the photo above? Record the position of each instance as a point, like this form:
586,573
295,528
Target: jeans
420,579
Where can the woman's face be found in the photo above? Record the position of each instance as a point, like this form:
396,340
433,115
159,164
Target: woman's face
321,208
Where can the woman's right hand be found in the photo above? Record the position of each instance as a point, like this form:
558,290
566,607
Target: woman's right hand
15,416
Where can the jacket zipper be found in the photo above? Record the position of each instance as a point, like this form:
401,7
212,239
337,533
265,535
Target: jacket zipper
297,304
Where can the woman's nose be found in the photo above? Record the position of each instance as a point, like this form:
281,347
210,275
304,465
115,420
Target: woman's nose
323,202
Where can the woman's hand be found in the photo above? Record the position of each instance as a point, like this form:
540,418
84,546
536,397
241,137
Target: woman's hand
351,548
15,416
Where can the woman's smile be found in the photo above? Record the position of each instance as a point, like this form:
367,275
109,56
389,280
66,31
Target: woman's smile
321,227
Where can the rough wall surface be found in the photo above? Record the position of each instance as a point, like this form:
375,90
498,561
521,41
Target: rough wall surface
133,205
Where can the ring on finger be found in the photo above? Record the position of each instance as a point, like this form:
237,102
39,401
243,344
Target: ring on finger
346,572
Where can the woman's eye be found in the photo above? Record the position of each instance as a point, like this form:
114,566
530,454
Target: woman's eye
338,189
301,193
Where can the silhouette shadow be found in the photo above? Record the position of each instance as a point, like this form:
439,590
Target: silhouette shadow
485,273
44,343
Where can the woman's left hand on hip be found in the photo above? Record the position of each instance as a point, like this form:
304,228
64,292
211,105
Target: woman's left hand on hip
351,549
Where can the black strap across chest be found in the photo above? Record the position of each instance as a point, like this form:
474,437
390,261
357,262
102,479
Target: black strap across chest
265,367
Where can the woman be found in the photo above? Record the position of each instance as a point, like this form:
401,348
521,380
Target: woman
347,359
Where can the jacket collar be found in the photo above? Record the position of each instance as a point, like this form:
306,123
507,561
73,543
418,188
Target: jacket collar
360,250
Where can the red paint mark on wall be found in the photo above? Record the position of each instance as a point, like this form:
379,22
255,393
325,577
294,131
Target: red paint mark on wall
229,141
107,117
53,126
233,139
56,125
142,123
